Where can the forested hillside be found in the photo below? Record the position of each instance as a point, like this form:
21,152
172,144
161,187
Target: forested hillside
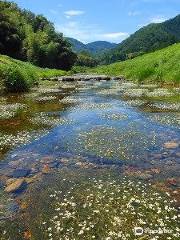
147,39
29,37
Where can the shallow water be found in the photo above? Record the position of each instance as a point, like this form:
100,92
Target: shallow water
93,133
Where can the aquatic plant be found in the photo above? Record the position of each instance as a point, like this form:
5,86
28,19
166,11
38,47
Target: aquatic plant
135,103
70,100
45,119
135,93
94,106
8,111
160,92
111,143
166,106
114,116
110,209
9,140
45,99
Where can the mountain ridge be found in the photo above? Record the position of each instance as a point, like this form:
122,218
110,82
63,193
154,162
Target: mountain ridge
95,47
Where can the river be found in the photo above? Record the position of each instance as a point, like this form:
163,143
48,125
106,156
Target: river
105,163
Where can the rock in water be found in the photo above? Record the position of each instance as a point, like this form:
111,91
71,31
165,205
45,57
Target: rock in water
15,186
170,145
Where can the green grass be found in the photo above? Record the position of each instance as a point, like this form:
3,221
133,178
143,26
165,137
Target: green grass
162,66
18,76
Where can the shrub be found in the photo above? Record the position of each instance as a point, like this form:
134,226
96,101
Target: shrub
16,79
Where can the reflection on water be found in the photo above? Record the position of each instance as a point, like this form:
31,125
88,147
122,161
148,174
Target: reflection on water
105,144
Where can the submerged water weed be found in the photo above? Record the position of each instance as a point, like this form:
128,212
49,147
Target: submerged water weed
112,143
108,92
3,100
166,118
149,86
49,90
166,106
8,111
70,100
127,85
109,209
160,92
94,106
66,86
135,93
9,140
45,119
45,99
135,103
114,116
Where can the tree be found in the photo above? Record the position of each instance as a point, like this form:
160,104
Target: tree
33,38
10,43
85,59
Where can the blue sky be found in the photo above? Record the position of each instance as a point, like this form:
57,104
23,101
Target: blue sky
110,20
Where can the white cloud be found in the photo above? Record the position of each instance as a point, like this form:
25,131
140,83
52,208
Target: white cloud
89,33
115,36
73,13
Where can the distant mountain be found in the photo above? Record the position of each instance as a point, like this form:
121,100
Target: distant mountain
147,39
93,48
99,46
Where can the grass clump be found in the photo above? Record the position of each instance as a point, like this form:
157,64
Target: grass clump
18,76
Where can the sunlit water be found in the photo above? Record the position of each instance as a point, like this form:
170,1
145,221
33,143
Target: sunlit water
108,142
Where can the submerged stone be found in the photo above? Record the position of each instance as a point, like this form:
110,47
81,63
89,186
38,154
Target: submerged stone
16,185
171,145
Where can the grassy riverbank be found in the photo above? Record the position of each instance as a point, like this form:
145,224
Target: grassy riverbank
161,66
18,76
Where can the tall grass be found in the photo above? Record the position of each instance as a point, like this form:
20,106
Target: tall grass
162,66
18,76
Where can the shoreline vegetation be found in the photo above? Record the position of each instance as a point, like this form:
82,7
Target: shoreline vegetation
43,53
161,67
18,76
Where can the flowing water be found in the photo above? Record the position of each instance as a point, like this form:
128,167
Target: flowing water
104,165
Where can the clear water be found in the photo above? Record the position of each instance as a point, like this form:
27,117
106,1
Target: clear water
105,137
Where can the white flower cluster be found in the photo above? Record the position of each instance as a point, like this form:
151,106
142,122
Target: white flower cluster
70,100
165,118
136,93
45,98
94,106
9,140
166,106
160,92
110,209
44,119
49,90
8,111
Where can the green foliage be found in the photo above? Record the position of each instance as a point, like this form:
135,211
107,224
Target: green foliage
18,76
85,59
30,37
162,66
16,79
147,39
